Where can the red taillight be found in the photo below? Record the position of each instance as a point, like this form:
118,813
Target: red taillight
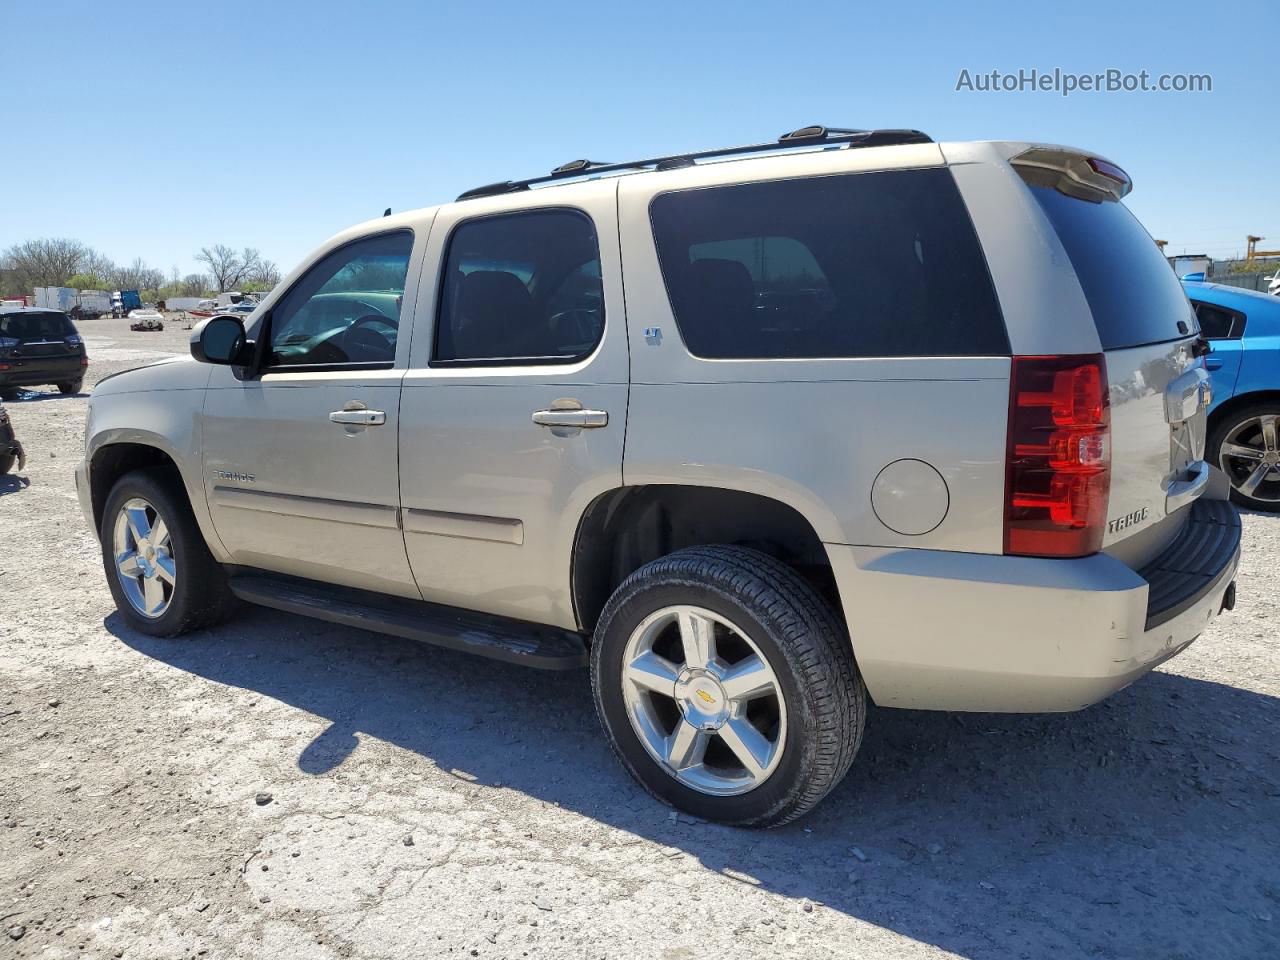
84,361
1059,456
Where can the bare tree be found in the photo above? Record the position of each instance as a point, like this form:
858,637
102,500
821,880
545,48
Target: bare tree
46,262
266,273
225,265
194,285
138,276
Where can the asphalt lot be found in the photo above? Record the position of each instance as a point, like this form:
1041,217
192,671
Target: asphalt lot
426,803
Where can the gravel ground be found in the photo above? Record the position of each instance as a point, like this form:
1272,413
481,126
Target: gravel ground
289,789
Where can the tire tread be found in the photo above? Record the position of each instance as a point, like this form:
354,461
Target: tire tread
808,634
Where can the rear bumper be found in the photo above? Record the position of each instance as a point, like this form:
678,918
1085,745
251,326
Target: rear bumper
36,372
948,631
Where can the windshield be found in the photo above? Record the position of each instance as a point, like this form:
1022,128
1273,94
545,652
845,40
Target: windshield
36,326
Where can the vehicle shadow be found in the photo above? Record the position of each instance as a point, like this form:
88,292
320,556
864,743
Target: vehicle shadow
13,483
1148,825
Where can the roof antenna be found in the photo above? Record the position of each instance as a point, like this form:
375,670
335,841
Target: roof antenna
386,212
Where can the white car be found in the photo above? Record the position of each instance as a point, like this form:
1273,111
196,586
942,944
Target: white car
907,422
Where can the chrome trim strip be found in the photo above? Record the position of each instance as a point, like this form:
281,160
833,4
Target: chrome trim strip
468,526
310,508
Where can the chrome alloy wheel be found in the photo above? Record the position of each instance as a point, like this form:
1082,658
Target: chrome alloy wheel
144,558
703,700
1250,457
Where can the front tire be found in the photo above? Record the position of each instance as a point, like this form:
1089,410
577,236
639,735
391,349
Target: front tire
727,686
1245,445
162,577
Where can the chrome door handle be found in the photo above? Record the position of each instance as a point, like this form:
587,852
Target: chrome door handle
360,418
571,418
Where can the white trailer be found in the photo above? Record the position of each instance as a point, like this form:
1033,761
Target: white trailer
93,303
56,298
182,304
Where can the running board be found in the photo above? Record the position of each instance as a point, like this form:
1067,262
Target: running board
499,638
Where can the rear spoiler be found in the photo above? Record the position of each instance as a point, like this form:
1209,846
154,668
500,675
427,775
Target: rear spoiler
1075,174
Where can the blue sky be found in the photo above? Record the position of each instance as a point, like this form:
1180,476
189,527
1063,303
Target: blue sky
153,128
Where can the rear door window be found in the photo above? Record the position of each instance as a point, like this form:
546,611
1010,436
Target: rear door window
1218,323
521,288
882,264
1132,291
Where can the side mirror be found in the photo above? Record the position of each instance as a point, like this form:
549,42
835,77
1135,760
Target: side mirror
221,340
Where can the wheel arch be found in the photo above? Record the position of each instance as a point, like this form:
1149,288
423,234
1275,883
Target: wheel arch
626,527
111,461
1238,402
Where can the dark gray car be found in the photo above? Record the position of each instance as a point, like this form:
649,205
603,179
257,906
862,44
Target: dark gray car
40,347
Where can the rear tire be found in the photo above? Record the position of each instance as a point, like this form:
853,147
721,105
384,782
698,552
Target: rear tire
69,388
148,527
1243,430
7,460
804,721
9,393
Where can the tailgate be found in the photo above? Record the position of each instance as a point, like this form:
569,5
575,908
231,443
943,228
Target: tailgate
1159,399
1158,386
39,349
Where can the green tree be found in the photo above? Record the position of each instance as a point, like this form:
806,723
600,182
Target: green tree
87,281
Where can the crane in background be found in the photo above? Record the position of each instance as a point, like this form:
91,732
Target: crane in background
1254,253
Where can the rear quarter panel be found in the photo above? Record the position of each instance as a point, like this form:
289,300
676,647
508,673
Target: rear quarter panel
1260,354
813,434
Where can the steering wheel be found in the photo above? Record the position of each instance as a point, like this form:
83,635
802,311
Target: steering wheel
359,338
579,322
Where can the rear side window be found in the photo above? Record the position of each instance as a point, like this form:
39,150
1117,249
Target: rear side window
1133,294
880,264
1218,323
521,288
36,326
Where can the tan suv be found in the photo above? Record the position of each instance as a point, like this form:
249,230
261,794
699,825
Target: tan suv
758,433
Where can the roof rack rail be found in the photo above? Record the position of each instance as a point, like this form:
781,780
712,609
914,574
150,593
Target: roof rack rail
803,137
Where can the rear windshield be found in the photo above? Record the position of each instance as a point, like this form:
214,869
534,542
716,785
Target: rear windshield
1133,293
881,264
36,326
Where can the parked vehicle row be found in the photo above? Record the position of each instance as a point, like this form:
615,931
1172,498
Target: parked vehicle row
907,422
